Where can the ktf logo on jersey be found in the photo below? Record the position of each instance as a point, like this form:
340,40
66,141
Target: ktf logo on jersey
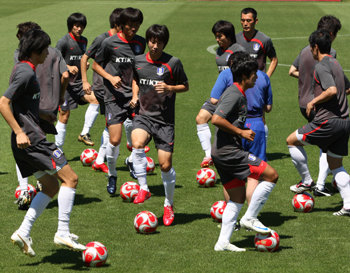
256,46
160,71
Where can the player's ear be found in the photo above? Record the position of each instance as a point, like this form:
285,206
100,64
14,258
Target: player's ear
256,20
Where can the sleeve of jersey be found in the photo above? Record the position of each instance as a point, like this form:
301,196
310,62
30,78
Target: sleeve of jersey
222,82
269,91
61,46
63,66
179,73
101,53
17,86
296,61
270,49
325,76
347,82
226,104
91,52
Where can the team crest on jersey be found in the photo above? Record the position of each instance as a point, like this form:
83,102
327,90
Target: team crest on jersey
160,71
256,46
57,153
251,157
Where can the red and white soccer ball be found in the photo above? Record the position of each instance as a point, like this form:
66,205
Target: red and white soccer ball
268,242
95,254
217,209
206,177
303,202
146,222
150,165
31,190
88,156
129,190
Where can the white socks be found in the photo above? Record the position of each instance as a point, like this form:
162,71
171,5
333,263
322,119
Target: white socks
259,198
61,134
23,182
102,151
112,153
323,171
36,208
299,159
266,131
169,179
204,135
128,128
65,200
140,165
229,218
343,183
90,118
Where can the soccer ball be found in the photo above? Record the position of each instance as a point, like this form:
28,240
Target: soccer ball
206,177
146,222
150,165
31,190
88,156
95,254
217,209
129,190
268,242
303,202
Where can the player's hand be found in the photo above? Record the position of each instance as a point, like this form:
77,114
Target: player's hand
248,134
309,108
161,87
73,70
22,140
133,103
116,81
87,88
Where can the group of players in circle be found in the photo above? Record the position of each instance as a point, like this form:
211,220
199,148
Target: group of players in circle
138,90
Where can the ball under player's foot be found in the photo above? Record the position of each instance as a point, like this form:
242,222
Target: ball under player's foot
206,162
70,241
24,243
86,139
100,167
142,196
168,217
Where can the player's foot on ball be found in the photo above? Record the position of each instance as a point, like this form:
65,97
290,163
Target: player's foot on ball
100,167
86,139
226,246
24,243
342,212
23,201
142,196
131,168
255,225
324,192
112,185
300,187
70,241
207,161
168,217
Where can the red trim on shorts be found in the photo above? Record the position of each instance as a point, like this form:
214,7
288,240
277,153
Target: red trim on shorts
234,183
256,171
53,163
239,88
318,128
148,58
30,64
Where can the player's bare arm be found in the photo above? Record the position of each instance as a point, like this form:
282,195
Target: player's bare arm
325,96
84,67
272,66
293,72
64,84
163,87
135,94
214,101
116,81
5,110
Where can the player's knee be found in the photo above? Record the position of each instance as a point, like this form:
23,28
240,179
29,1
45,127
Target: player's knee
64,116
165,167
72,180
201,119
274,177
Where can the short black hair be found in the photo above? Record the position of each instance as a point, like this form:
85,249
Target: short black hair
24,27
242,65
329,23
76,18
250,10
322,39
32,41
114,18
131,15
225,28
159,32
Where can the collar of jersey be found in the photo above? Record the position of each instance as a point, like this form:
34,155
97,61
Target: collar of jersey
239,88
30,64
75,39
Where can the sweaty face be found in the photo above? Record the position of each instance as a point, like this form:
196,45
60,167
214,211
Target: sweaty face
222,40
77,30
130,30
248,22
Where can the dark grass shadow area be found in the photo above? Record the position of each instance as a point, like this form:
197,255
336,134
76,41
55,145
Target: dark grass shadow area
3,173
274,219
79,200
76,158
276,156
158,190
184,218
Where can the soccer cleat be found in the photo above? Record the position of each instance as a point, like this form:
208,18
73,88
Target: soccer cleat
131,168
112,185
255,225
70,241
207,161
129,147
86,139
324,192
39,186
227,247
99,167
300,187
168,217
23,201
24,244
142,196
342,212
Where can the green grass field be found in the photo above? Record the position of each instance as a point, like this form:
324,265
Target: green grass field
314,242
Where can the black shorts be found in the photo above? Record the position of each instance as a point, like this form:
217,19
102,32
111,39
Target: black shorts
72,98
163,135
43,156
207,105
118,111
330,135
99,94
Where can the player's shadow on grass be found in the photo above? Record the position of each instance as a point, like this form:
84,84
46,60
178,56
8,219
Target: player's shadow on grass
158,190
79,200
2,173
275,156
274,219
335,208
76,158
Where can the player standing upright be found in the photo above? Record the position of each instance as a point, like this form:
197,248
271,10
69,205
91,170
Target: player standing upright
73,46
160,77
330,127
114,61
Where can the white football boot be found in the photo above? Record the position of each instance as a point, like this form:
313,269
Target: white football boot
24,243
70,241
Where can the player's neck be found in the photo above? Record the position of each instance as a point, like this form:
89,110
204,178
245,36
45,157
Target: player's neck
113,31
249,34
155,56
320,56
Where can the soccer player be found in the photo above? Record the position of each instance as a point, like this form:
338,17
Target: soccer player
160,77
114,61
235,165
73,46
256,43
53,79
330,127
98,87
303,68
225,36
32,152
